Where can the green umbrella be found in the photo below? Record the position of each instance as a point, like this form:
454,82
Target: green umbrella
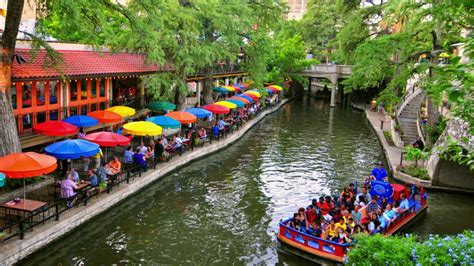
161,106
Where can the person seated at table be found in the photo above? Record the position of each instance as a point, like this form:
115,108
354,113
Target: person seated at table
202,133
160,150
103,172
139,159
74,175
115,166
142,148
91,177
177,143
67,191
221,125
149,153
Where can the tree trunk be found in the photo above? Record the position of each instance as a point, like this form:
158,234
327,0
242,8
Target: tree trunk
8,130
207,88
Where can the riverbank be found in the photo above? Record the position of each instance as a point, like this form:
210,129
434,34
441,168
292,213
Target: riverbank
16,249
393,154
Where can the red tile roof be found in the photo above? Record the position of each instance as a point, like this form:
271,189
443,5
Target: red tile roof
81,63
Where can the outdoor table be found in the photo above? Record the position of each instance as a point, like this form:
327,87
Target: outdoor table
25,206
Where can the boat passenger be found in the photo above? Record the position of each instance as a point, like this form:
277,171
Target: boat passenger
315,230
352,188
350,225
331,229
327,205
366,195
373,206
292,222
379,173
341,223
404,204
383,203
356,215
311,214
361,201
373,223
387,217
341,237
302,219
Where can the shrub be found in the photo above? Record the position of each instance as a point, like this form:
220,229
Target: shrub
408,250
415,171
388,137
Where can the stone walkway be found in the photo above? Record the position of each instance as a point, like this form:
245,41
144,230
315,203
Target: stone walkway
392,153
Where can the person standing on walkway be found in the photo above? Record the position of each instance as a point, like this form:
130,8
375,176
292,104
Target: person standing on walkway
379,173
97,158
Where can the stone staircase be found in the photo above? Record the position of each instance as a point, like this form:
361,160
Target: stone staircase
407,115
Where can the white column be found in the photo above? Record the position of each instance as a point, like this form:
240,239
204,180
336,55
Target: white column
198,91
227,81
333,95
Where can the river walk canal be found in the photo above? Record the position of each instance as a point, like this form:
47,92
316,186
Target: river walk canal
225,208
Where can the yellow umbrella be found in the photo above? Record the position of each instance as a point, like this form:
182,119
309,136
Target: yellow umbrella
230,88
122,110
227,104
255,93
142,128
276,87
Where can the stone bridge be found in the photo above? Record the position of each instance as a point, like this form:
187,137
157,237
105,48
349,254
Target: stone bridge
333,73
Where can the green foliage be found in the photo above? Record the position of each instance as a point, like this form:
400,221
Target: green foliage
415,171
433,133
415,154
408,250
388,137
454,151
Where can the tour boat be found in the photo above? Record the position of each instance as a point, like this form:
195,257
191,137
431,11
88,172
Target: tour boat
318,249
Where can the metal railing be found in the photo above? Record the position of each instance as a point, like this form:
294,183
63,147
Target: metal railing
16,226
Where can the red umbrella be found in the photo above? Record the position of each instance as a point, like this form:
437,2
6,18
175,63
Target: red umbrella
55,128
105,116
237,88
240,99
108,139
217,109
254,97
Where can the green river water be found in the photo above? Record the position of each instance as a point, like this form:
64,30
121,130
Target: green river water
225,208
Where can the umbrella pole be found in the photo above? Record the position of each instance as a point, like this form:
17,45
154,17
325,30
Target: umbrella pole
24,192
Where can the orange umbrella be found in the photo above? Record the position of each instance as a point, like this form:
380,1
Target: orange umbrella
28,164
105,116
183,117
241,99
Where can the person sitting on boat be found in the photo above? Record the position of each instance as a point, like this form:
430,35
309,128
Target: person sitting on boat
356,215
373,223
315,230
350,225
373,206
349,204
303,221
341,223
365,194
404,204
352,189
327,205
345,194
331,229
361,201
341,237
311,214
387,217
292,223
379,173
336,214
383,203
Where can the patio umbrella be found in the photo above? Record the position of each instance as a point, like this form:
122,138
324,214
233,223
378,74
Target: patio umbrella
237,88
72,149
55,128
253,96
229,88
161,106
164,121
227,104
183,117
81,120
272,89
121,110
279,88
27,164
242,87
220,89
199,112
104,116
245,96
142,128
242,99
217,109
252,92
236,102
107,139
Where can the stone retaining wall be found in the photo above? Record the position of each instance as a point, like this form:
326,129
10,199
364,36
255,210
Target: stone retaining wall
15,249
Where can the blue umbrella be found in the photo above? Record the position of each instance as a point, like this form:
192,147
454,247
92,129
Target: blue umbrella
72,149
164,121
81,120
199,112
242,87
236,102
246,97
220,89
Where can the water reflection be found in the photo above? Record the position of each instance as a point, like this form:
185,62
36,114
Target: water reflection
225,209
